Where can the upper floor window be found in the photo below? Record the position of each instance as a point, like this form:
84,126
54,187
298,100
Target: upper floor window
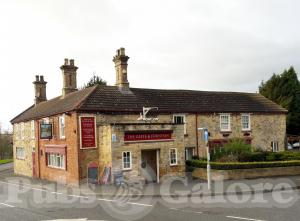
180,119
127,160
62,126
20,153
225,122
32,129
173,156
246,122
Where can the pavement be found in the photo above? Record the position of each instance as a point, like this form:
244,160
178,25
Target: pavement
23,199
168,186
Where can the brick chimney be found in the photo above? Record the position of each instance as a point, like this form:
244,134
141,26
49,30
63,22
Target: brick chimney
39,89
120,60
69,76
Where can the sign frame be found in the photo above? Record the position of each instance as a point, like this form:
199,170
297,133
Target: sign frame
49,125
80,132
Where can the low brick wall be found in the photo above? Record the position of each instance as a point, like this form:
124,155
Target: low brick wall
246,173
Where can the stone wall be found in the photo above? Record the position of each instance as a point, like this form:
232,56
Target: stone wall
27,141
239,174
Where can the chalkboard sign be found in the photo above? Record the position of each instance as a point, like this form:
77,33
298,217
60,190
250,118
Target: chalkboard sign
106,175
93,175
118,178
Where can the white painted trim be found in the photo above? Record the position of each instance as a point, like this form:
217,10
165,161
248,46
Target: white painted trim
176,154
184,121
80,138
229,122
249,128
59,126
130,168
157,165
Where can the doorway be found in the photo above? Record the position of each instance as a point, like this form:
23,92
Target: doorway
33,163
150,165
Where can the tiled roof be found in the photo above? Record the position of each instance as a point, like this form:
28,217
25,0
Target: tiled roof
54,106
111,99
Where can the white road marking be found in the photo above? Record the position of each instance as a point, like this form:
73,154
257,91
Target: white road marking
242,218
78,196
4,204
185,211
58,193
139,204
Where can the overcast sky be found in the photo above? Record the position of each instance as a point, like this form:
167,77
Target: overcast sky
220,45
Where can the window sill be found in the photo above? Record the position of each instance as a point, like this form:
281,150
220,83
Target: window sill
20,159
173,165
129,169
225,131
58,168
246,130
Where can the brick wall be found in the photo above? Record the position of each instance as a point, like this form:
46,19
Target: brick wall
70,175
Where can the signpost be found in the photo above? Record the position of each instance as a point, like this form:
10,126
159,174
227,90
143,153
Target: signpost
206,137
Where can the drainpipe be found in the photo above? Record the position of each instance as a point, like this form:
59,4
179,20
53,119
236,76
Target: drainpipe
196,130
38,148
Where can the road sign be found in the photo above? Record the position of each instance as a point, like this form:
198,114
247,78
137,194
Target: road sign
206,135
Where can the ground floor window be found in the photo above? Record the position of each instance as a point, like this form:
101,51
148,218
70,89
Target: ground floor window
127,160
56,160
173,156
20,153
189,153
275,146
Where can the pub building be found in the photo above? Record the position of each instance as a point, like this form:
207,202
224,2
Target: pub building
107,132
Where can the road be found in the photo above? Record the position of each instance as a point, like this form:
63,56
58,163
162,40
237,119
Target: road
25,203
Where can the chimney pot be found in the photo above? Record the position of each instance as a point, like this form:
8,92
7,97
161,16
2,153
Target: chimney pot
122,51
42,78
66,61
72,62
37,78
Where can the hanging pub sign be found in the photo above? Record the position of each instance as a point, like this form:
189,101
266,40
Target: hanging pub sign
46,131
164,135
87,132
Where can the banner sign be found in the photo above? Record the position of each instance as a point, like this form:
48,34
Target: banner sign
88,132
148,136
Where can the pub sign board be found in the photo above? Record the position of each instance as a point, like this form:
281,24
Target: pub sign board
45,131
87,132
141,136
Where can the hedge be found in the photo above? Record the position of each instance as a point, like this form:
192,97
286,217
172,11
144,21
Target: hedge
241,165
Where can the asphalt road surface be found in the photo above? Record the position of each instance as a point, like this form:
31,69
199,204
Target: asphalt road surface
25,203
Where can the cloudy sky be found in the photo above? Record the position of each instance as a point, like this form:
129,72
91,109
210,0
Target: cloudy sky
220,45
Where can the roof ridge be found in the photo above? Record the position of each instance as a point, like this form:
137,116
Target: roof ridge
81,102
21,113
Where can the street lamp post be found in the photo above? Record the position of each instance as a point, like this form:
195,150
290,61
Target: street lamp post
206,135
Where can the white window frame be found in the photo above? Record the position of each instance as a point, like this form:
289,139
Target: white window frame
20,153
184,121
176,157
249,122
130,160
229,122
52,160
275,146
32,127
62,126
